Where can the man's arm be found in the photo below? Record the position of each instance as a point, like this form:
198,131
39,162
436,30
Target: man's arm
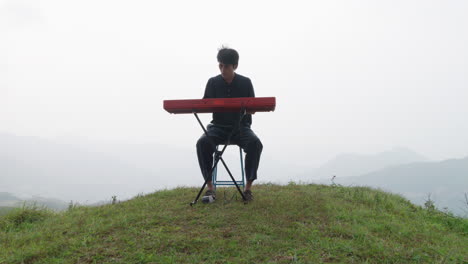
250,89
209,90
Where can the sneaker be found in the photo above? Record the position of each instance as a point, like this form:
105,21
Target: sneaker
248,196
210,196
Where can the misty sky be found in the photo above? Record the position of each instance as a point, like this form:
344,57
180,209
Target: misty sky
349,76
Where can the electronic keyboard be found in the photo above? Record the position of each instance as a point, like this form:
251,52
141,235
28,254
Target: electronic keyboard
212,105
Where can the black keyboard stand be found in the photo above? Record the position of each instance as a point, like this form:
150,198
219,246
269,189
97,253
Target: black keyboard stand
218,157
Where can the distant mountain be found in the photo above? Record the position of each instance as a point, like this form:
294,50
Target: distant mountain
4,196
179,165
8,200
350,164
88,172
446,181
35,166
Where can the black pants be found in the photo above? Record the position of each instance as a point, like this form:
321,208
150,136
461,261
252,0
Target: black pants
245,138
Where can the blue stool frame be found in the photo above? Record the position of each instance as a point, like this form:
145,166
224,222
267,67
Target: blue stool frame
215,180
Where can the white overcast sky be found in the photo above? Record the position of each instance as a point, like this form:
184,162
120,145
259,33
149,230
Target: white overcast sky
349,76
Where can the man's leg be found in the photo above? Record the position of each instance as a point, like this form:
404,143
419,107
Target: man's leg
206,146
253,147
248,186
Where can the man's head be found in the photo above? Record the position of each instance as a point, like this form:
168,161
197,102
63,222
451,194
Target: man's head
228,60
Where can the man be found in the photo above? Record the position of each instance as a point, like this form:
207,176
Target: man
229,84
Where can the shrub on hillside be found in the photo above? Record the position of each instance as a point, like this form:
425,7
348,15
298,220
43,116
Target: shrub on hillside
27,214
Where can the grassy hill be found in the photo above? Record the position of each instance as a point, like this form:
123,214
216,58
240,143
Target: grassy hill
285,224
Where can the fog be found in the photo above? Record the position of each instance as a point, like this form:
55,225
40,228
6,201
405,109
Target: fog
349,76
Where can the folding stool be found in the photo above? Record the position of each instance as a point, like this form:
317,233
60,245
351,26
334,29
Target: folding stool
217,182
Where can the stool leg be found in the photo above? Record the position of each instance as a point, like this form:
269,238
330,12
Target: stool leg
215,170
242,168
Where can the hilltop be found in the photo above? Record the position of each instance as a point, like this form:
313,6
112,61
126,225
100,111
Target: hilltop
285,224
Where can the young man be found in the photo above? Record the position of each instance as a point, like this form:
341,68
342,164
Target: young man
229,85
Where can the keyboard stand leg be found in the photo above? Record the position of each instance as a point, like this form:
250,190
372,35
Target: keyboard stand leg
233,180
217,158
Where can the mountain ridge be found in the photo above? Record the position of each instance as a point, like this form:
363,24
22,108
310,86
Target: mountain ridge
353,164
446,181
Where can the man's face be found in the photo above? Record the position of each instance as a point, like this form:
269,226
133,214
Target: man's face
227,70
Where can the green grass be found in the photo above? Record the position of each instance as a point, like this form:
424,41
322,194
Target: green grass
285,224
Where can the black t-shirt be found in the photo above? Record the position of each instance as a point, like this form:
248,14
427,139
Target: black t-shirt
240,86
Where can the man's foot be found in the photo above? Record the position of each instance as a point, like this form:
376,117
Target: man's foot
248,195
210,196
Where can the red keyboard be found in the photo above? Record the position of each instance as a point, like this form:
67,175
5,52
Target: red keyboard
250,104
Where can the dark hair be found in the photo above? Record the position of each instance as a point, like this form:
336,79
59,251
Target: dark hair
228,56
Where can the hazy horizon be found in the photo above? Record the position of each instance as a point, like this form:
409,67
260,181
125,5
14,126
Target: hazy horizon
348,76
